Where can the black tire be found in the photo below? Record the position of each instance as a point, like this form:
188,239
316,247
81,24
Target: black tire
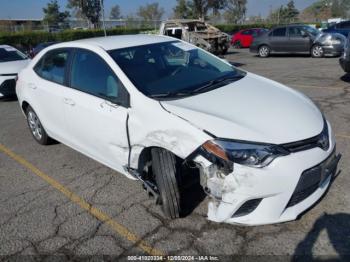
264,51
224,51
317,51
36,129
164,166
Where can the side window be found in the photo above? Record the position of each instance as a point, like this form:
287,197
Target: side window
52,66
295,32
91,74
247,32
279,32
344,25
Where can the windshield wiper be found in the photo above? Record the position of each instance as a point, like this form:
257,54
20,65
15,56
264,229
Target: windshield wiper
170,94
214,83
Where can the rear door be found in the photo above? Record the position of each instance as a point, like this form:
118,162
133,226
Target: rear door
278,40
299,40
47,89
96,110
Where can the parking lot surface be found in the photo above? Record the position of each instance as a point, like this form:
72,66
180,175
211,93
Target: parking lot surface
55,201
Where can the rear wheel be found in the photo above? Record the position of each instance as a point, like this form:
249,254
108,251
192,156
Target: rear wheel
224,51
36,127
164,166
264,51
317,51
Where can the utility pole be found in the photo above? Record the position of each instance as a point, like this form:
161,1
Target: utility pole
103,17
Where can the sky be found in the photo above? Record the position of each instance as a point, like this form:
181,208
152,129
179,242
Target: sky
33,8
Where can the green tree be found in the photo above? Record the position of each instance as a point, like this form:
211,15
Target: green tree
150,12
90,9
291,13
183,9
115,12
201,7
235,11
53,16
284,14
324,9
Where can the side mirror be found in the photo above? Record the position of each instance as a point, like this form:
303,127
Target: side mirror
304,35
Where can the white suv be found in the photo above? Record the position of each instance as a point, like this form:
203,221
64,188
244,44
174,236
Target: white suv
158,109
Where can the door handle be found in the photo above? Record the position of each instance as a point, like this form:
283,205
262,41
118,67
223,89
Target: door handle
69,101
32,86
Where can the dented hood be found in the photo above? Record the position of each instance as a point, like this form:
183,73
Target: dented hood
252,109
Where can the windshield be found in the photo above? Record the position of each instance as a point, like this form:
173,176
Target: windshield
311,30
9,54
173,69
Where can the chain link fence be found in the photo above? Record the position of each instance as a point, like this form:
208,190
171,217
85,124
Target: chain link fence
13,26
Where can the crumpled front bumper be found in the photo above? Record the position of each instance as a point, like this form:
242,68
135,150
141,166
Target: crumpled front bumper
272,187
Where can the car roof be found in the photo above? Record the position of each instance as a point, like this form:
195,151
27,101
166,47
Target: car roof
6,46
183,21
118,42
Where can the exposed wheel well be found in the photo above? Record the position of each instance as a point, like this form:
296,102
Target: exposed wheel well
24,106
263,45
145,158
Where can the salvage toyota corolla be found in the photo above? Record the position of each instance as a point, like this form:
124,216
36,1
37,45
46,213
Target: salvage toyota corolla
154,108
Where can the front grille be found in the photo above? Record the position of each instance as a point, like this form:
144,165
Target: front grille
302,145
321,140
8,87
312,178
247,207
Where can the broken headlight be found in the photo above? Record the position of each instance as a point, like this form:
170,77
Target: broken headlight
245,153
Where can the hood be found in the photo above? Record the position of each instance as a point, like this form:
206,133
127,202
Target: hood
252,109
13,67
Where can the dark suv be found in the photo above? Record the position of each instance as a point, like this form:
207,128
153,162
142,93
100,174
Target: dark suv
298,39
340,28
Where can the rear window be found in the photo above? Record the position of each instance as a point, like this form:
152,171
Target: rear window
9,54
343,25
279,32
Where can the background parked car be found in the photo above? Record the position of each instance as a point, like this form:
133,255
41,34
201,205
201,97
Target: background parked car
298,39
11,62
245,38
345,59
341,28
197,33
40,47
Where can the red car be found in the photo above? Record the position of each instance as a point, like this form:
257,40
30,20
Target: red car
245,37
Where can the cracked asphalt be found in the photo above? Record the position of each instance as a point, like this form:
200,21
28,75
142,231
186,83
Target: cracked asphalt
84,208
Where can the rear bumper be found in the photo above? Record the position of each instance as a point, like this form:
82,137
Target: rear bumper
7,86
277,193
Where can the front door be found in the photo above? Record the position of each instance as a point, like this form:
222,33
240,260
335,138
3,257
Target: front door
96,110
299,40
278,40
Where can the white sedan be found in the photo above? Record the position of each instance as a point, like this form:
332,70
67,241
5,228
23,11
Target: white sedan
11,62
159,110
